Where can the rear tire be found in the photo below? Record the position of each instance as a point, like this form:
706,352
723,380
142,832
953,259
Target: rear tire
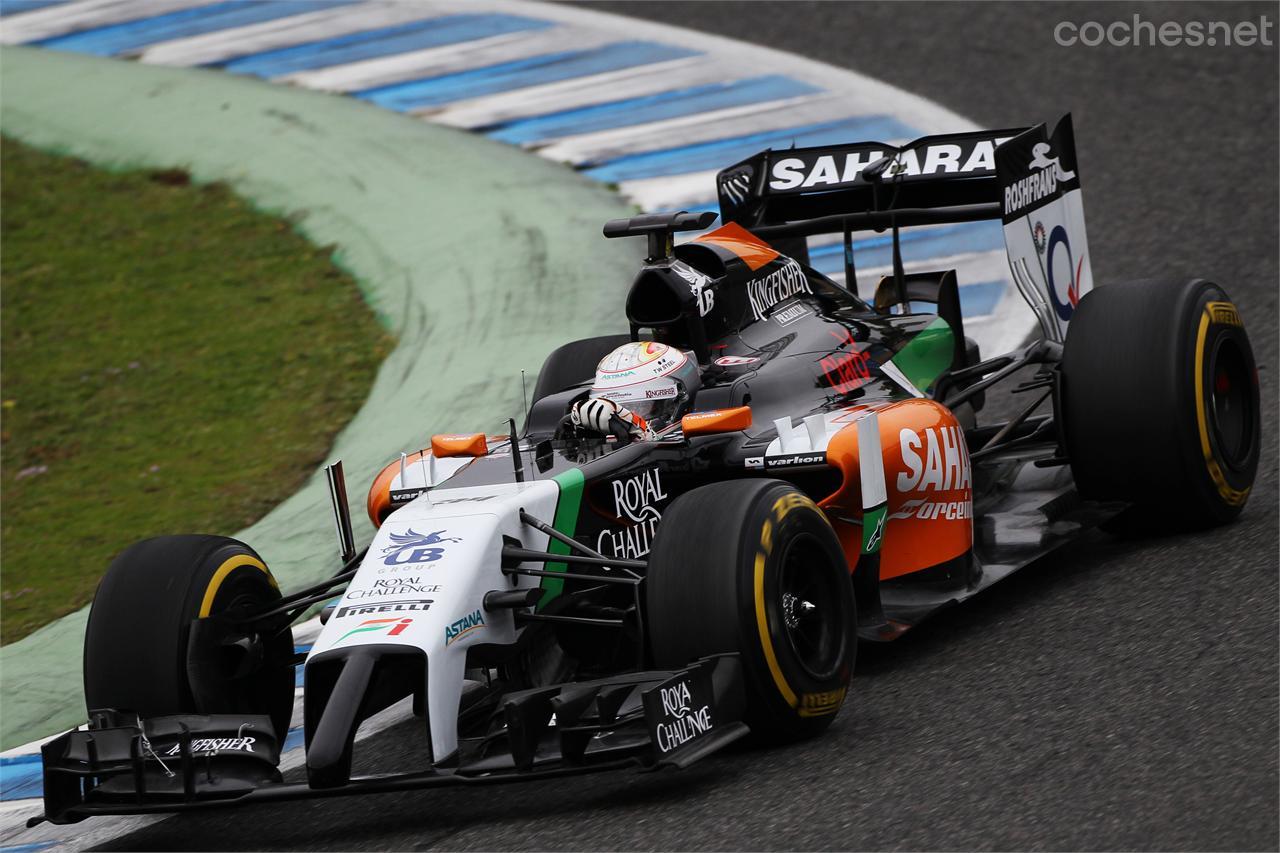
573,363
137,645
1160,402
731,569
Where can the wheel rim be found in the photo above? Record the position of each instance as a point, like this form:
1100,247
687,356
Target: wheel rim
239,658
247,665
1231,403
809,603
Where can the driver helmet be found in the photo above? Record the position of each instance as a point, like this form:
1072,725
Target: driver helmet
653,380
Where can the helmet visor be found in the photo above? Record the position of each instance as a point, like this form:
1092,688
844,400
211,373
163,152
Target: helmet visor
657,401
658,414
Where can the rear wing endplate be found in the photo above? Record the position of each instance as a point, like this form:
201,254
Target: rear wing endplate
1043,216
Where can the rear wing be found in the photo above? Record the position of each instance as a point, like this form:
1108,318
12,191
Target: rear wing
1026,178
936,172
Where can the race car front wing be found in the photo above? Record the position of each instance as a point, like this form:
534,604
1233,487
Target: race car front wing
124,764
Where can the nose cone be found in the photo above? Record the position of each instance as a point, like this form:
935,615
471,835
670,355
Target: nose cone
417,601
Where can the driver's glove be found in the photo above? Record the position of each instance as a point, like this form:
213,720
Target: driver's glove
596,414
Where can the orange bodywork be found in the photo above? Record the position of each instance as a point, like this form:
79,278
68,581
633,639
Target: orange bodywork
716,420
928,481
378,504
459,445
753,251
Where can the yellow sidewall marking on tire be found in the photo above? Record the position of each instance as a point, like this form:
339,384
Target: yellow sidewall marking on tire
229,566
1222,312
781,507
766,642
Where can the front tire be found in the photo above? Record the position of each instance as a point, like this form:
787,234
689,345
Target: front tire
142,654
1160,402
753,567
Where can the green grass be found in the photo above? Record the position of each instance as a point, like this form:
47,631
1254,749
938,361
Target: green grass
171,361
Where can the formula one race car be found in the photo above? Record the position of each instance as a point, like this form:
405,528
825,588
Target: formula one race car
561,599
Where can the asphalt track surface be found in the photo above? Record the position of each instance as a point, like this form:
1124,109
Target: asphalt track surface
1119,695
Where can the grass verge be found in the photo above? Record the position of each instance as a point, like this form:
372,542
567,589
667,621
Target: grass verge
171,361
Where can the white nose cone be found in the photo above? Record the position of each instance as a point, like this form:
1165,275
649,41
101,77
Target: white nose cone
422,584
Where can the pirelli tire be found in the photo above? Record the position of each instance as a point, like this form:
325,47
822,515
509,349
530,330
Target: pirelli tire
573,363
155,645
1160,402
753,567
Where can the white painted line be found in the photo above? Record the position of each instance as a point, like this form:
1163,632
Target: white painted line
446,59
870,95
15,809
687,190
87,14
286,32
583,92
692,129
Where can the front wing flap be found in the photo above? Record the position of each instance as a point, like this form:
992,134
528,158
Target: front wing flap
668,718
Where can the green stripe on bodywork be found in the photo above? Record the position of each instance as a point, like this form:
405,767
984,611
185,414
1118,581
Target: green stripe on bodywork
873,522
926,355
566,521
